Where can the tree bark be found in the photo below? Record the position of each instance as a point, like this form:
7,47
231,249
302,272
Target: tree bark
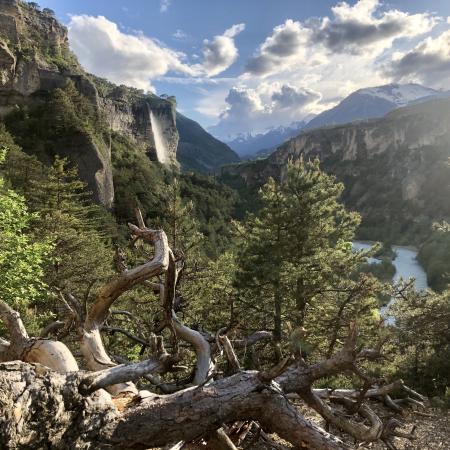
62,418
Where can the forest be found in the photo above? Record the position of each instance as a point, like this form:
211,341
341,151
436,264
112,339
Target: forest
188,324
152,298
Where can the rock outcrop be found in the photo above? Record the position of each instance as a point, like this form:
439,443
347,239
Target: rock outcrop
35,59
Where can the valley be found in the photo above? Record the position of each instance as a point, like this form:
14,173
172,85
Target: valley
161,288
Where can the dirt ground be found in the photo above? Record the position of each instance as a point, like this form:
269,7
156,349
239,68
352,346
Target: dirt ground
432,433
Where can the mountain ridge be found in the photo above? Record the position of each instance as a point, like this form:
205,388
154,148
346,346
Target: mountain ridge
394,168
370,103
248,146
199,150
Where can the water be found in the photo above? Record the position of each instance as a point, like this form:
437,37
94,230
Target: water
406,267
405,262
160,140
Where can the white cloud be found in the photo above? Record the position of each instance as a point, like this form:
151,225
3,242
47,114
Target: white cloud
266,105
134,59
164,5
286,46
220,52
122,58
358,29
428,62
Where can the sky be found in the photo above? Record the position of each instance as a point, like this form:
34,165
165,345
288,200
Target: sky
239,66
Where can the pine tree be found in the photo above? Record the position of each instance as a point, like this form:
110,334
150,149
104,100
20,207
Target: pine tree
296,262
82,255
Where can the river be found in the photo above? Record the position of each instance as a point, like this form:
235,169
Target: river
406,265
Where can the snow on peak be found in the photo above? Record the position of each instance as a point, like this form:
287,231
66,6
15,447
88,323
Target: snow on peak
400,94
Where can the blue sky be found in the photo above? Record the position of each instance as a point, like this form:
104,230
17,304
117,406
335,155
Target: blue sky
238,66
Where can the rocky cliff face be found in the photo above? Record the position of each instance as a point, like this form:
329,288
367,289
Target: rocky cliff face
395,169
140,117
35,59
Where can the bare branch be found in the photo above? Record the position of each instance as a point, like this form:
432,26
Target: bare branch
231,355
201,346
130,278
123,373
52,328
17,332
257,336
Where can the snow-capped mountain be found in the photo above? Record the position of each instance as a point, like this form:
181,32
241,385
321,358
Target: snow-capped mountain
248,145
400,94
363,104
370,103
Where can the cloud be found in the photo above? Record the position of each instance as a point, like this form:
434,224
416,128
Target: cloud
134,59
179,34
285,46
357,29
122,58
164,5
428,62
292,97
269,104
220,52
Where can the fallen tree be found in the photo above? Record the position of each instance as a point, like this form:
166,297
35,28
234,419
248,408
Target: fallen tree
47,402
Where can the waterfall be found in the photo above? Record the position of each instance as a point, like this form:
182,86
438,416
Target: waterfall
160,140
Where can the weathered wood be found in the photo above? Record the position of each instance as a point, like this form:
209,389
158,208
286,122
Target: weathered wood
201,346
122,373
74,421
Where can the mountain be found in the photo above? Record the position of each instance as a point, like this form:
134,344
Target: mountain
395,169
371,103
363,104
200,151
248,145
52,106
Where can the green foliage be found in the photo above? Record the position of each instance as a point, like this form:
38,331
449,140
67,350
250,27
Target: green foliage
210,294
59,122
213,207
383,270
296,264
423,340
63,214
198,150
22,258
149,186
434,255
137,181
81,255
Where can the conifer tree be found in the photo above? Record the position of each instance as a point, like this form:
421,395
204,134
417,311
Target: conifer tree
296,264
81,254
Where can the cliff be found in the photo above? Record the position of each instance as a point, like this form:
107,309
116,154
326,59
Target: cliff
394,169
36,62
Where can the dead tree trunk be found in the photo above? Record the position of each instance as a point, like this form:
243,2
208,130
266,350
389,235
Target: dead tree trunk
63,418
52,404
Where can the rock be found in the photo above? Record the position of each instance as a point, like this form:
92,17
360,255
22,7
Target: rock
129,112
35,59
